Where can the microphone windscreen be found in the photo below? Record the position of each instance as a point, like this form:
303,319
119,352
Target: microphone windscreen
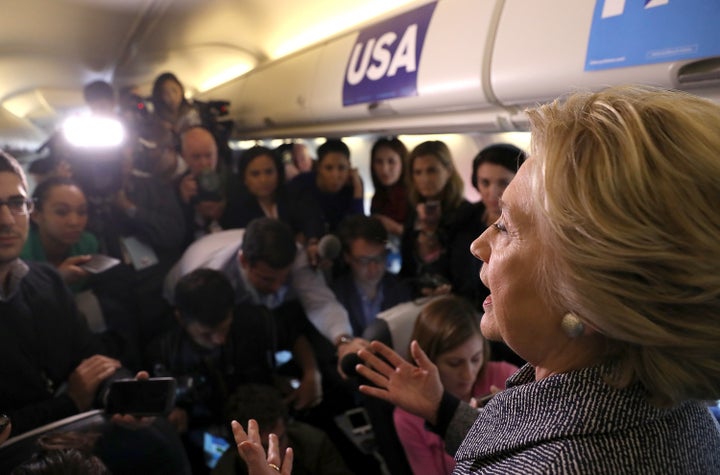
348,364
329,247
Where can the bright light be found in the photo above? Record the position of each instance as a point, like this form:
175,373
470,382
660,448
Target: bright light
93,131
243,144
350,17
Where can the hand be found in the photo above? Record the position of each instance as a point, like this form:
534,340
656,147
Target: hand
129,421
428,221
122,201
179,419
83,382
477,403
252,452
313,253
70,269
417,389
210,210
188,188
309,393
345,349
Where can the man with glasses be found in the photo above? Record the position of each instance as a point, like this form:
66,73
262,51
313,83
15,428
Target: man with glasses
15,206
366,288
52,365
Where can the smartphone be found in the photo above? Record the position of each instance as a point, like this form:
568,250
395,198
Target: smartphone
143,397
213,447
99,263
432,211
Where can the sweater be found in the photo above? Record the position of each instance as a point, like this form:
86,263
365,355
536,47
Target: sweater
42,340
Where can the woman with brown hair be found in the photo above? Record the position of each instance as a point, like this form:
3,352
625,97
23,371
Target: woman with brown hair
439,230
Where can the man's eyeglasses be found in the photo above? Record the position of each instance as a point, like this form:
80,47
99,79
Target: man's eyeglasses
19,205
364,261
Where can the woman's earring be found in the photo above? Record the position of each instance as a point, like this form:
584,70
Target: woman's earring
572,325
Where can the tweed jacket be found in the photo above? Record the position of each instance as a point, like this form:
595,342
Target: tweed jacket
576,423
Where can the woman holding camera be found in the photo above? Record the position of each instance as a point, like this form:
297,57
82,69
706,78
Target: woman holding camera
438,231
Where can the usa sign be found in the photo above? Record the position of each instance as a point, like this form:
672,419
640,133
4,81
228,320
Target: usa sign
384,61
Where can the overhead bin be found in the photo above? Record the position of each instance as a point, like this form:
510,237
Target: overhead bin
543,48
276,93
424,63
19,133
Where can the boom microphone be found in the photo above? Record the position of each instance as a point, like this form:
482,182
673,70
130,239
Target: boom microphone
348,364
329,247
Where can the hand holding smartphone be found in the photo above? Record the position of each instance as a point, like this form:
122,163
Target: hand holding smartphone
432,212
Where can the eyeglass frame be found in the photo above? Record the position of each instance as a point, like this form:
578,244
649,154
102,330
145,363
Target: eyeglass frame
19,205
365,261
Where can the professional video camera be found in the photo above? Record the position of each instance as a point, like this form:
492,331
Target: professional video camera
136,106
211,114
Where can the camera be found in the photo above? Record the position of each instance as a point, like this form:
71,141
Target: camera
209,186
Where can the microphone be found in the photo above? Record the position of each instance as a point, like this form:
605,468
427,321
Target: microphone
329,247
348,364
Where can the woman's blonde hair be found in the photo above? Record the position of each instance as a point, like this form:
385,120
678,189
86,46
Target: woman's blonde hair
452,194
628,184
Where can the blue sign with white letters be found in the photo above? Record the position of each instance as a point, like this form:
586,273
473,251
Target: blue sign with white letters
384,60
633,32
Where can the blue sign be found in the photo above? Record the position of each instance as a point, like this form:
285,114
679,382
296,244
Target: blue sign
634,32
384,61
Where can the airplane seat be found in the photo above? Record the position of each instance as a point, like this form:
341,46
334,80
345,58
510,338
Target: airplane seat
18,449
150,449
393,327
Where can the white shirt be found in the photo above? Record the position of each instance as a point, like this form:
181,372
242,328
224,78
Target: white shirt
221,250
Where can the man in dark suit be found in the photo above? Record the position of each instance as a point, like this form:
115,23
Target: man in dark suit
366,288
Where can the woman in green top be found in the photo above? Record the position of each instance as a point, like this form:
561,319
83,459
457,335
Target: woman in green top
57,234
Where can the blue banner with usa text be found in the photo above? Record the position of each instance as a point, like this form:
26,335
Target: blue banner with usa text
384,61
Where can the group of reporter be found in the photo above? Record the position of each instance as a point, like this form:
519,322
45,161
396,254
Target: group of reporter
595,278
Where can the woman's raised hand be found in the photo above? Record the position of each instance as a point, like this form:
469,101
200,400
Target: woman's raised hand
416,389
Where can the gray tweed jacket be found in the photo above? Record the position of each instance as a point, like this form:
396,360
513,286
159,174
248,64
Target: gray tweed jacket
574,423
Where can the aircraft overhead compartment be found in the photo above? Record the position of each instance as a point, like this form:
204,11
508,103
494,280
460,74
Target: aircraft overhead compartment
541,46
307,92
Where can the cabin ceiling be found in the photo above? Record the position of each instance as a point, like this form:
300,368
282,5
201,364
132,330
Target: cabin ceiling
51,48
